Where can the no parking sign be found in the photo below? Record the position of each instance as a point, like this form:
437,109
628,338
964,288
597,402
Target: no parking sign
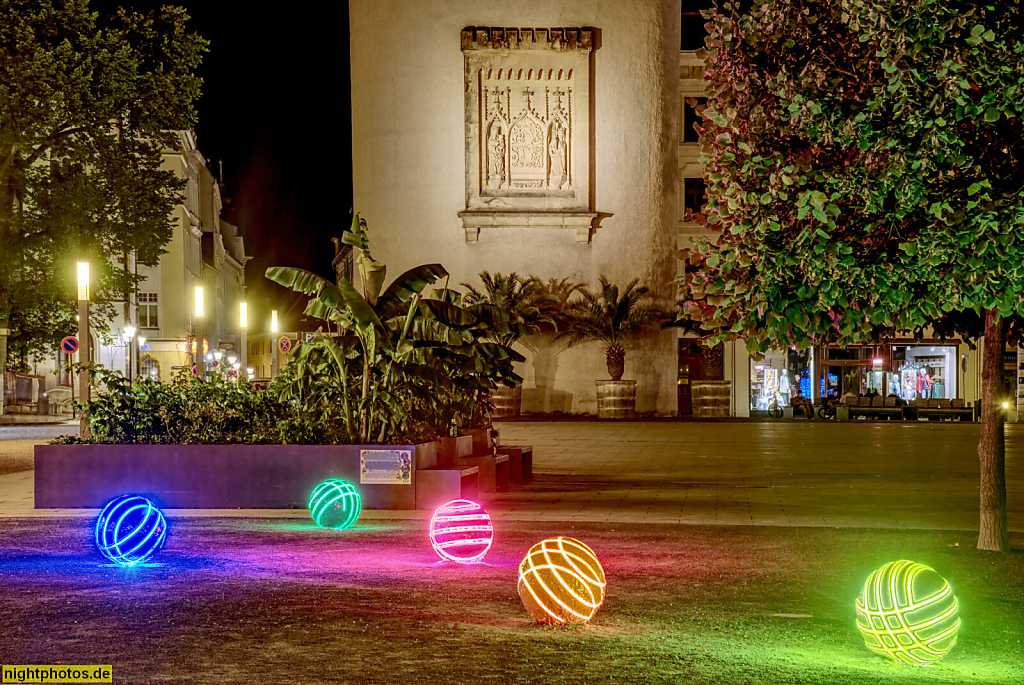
69,344
284,344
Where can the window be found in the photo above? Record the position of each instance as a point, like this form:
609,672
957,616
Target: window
150,368
692,118
694,195
147,310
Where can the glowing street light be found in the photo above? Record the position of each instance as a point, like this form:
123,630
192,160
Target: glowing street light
83,280
200,352
273,343
243,324
83,339
199,302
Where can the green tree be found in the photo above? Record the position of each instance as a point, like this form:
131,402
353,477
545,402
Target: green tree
611,318
864,165
87,103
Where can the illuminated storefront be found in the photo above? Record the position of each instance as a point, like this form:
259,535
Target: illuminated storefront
909,371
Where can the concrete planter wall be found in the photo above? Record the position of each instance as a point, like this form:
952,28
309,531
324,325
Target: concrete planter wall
616,399
211,476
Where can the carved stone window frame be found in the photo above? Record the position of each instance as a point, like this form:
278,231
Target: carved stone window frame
528,129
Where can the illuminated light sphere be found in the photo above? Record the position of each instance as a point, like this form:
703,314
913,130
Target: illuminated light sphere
335,504
908,612
461,531
561,581
130,530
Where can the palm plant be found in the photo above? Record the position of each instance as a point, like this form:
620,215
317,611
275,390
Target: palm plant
521,300
554,299
612,318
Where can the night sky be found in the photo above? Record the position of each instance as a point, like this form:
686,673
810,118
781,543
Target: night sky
275,109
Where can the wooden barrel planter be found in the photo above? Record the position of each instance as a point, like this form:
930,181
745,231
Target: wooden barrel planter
506,403
616,399
711,399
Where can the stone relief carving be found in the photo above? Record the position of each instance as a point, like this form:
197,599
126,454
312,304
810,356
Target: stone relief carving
527,128
537,136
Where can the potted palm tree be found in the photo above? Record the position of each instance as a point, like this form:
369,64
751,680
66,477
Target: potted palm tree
612,318
527,307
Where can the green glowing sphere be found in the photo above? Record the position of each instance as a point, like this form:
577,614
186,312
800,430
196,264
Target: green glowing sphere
908,612
335,504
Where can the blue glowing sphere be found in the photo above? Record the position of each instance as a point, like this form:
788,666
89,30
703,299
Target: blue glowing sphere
130,530
335,504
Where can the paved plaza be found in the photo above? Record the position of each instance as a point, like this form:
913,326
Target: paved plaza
786,473
792,473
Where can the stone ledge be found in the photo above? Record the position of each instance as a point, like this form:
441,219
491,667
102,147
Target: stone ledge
505,38
474,220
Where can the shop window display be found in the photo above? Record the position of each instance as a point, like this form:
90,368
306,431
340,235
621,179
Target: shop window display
923,372
777,377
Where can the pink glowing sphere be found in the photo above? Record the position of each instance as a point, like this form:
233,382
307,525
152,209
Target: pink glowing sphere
461,531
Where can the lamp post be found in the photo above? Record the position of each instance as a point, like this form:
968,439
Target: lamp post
200,352
129,335
142,341
83,340
243,324
273,343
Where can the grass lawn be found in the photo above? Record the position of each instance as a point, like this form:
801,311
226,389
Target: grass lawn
279,601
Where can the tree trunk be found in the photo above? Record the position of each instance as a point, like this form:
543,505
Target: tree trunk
993,533
615,360
4,325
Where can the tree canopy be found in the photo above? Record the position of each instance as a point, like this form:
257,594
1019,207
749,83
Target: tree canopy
865,169
865,166
87,103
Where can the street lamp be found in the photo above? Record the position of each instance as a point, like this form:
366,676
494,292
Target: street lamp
83,339
243,324
273,343
200,352
129,333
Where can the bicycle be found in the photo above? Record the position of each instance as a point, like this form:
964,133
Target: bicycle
827,411
774,408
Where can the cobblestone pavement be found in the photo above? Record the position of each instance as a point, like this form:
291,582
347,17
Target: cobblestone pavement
793,473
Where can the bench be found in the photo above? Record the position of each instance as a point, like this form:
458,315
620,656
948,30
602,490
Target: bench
435,486
943,409
493,470
520,462
875,407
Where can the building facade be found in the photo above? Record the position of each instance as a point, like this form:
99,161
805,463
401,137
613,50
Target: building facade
538,137
205,250
556,139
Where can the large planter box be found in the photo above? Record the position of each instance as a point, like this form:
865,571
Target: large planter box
212,476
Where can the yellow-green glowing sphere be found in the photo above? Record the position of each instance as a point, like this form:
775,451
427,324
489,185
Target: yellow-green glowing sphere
908,612
561,581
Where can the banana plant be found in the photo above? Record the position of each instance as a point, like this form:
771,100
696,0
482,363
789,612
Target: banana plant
402,349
